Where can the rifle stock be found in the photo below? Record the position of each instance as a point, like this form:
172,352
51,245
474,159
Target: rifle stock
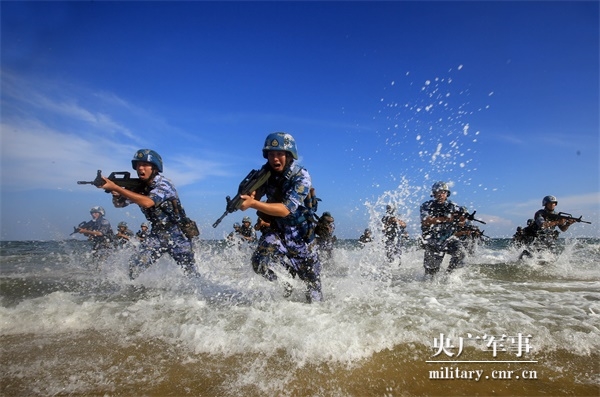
122,179
252,181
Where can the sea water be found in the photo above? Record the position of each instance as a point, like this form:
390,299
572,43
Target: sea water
73,326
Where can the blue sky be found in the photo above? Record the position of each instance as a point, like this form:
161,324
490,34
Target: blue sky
500,99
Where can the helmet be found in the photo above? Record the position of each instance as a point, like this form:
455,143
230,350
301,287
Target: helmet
280,141
236,225
549,199
389,209
247,219
327,217
97,209
122,224
440,186
144,224
148,156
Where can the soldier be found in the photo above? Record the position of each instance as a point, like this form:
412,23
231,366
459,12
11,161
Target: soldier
324,235
160,205
439,218
247,232
366,237
124,234
288,209
143,232
545,223
235,234
99,232
393,233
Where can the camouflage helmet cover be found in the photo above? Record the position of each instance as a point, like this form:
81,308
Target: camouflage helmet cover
148,156
97,209
549,199
440,186
280,141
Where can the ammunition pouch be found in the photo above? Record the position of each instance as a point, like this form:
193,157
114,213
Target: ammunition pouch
189,228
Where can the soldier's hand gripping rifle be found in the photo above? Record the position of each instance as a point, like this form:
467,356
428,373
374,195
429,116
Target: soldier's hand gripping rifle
122,179
564,215
470,217
82,225
254,180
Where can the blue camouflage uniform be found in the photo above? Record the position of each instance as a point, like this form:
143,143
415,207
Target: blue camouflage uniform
393,234
101,245
325,236
165,234
438,238
545,238
291,237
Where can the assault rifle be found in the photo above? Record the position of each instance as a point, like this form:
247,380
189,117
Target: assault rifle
468,216
82,225
254,180
564,215
122,179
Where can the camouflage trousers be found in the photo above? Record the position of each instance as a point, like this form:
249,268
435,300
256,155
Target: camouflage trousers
434,255
275,247
171,241
393,248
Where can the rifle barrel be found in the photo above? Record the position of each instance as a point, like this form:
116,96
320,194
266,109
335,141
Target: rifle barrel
220,219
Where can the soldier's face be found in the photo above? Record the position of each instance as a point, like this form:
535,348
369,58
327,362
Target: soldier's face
277,160
441,196
144,170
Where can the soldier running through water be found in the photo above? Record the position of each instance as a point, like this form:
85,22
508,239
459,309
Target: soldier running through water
394,230
99,232
288,210
438,225
545,222
160,205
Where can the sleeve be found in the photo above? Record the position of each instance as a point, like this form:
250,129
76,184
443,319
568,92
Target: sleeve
105,228
163,190
298,192
539,218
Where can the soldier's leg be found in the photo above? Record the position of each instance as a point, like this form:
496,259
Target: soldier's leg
148,253
457,251
305,260
181,250
432,261
270,252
